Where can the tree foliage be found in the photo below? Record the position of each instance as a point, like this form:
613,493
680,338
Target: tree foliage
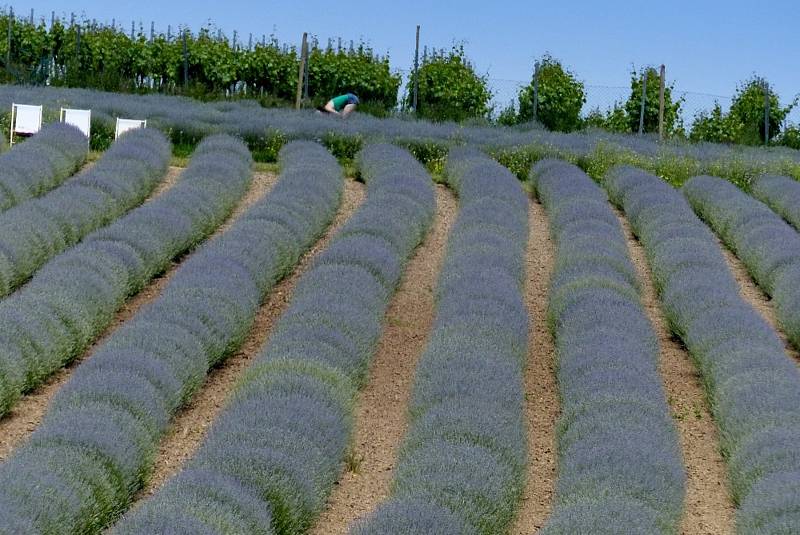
85,54
672,108
560,97
744,121
449,87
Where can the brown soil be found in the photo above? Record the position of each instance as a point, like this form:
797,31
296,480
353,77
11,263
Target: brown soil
382,405
190,425
542,404
708,507
755,296
23,419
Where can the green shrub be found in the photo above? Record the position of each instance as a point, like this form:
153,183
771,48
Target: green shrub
449,88
747,111
744,121
672,109
560,99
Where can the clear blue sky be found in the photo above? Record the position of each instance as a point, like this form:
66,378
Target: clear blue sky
707,46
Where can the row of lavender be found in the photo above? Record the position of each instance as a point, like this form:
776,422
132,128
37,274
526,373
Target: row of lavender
753,387
41,163
248,119
69,302
620,467
768,245
275,451
95,447
462,464
33,232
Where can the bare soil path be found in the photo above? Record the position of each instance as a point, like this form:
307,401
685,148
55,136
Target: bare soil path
382,405
192,422
23,419
542,405
755,296
709,509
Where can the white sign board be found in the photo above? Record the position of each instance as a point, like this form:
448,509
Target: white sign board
80,119
123,125
25,119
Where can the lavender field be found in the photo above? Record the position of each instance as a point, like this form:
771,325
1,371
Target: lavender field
208,345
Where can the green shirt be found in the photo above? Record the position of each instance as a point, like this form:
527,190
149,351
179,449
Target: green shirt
340,102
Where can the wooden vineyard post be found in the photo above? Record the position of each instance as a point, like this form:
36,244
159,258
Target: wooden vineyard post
416,72
8,49
644,100
766,113
185,60
536,91
661,104
301,71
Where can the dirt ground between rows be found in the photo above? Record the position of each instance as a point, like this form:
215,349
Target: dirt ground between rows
382,405
542,405
708,509
756,297
192,422
23,419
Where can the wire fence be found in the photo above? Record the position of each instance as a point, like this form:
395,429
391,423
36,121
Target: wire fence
601,97
505,92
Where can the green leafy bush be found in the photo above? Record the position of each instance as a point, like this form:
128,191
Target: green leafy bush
614,119
744,121
714,126
747,111
332,72
449,87
672,108
560,99
791,137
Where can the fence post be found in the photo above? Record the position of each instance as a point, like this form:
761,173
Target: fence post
305,77
416,72
536,91
52,20
301,71
250,42
133,28
766,112
152,31
644,101
169,33
661,103
8,49
234,40
185,60
31,16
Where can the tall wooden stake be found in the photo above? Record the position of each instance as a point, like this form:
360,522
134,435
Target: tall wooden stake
661,103
766,113
644,101
301,71
416,73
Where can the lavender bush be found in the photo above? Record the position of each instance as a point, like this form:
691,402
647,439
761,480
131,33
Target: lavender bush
73,297
33,232
782,194
461,466
40,163
105,423
766,244
753,388
620,468
278,446
265,129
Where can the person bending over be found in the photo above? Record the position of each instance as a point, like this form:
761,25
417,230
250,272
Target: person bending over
343,105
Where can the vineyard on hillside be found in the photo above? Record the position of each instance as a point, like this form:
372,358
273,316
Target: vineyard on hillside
397,327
